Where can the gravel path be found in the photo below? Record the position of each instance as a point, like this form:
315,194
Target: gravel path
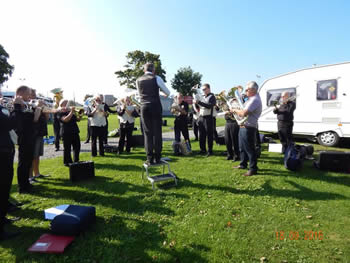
49,149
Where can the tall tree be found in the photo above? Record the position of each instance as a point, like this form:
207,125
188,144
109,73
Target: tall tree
185,79
134,67
5,68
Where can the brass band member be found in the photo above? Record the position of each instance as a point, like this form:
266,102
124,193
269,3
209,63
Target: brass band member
58,96
7,152
108,110
285,120
40,131
231,137
98,126
180,110
148,87
206,121
127,113
247,132
70,133
26,137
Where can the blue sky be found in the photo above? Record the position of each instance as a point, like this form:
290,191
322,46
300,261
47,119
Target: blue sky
79,44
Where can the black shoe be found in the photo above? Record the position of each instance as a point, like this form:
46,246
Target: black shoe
86,142
209,154
11,220
7,235
202,152
229,158
56,150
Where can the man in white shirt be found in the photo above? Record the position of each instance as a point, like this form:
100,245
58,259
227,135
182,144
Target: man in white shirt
148,87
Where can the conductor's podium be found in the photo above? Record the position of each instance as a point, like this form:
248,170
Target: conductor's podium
170,176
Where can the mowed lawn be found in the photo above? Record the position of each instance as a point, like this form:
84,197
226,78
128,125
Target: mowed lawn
213,215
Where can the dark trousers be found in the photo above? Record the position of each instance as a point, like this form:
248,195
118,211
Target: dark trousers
97,132
25,159
195,128
57,131
126,130
214,130
285,131
105,138
6,182
88,134
247,147
70,140
180,126
231,139
206,130
151,117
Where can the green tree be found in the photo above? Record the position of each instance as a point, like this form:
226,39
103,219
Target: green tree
134,67
5,68
185,79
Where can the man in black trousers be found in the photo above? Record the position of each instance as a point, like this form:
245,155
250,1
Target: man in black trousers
206,120
148,87
231,137
285,120
26,137
7,151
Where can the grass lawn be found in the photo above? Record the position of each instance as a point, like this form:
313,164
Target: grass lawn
213,215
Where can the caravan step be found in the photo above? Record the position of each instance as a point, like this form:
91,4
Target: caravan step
162,177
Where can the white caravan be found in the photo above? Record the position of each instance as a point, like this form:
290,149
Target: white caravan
322,102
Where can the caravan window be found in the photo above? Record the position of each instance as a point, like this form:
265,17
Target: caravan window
327,89
273,96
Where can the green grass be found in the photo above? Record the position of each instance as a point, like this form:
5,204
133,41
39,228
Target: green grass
213,215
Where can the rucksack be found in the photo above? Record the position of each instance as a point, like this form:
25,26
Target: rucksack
294,157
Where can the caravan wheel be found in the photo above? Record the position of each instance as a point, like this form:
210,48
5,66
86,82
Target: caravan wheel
328,138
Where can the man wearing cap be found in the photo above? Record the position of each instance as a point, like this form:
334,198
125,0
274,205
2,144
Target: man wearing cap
206,120
247,132
148,87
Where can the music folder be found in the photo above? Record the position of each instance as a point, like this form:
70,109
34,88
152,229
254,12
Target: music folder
48,243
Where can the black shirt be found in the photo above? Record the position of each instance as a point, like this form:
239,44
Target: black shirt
70,127
41,126
182,117
25,125
285,111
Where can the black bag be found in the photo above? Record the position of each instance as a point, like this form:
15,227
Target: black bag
110,148
334,161
137,140
81,171
74,220
294,157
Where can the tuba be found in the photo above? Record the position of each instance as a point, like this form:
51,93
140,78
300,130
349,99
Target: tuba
238,104
198,94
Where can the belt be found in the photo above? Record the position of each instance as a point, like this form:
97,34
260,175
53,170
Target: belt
242,126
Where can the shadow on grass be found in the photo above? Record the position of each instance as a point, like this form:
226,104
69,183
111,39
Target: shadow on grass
114,239
302,192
